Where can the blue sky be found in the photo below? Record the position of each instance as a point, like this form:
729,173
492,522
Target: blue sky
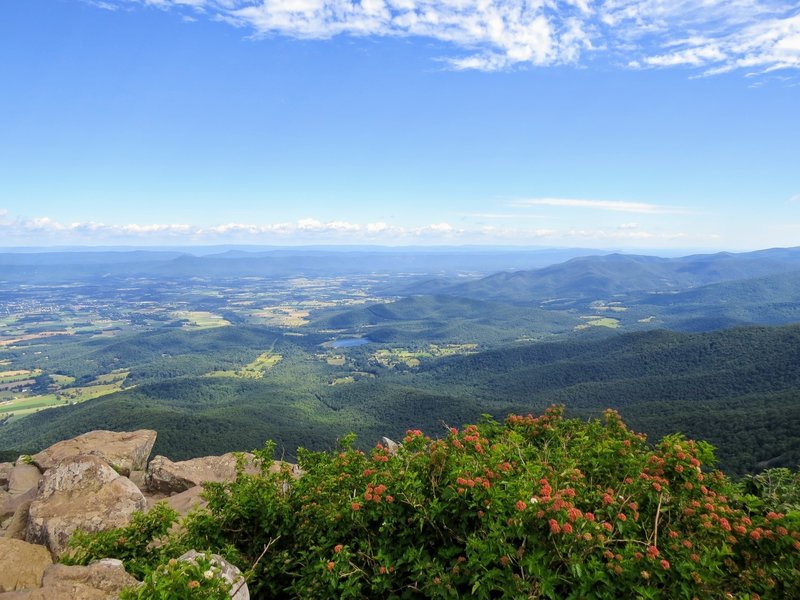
593,123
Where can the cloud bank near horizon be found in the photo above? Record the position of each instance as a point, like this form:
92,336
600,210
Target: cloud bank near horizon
47,231
709,36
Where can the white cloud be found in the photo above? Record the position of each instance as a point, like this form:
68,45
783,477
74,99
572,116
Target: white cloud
688,56
710,35
763,44
43,224
440,228
46,231
334,226
502,215
633,235
104,5
377,227
609,205
793,200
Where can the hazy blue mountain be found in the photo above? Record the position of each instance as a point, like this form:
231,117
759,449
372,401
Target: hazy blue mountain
594,277
86,258
46,267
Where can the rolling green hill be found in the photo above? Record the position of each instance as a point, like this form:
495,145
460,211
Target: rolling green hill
156,355
446,318
770,300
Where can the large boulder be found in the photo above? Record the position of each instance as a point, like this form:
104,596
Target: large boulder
5,471
10,504
138,478
22,565
67,591
16,525
124,451
167,477
107,575
22,478
186,501
80,493
222,568
103,580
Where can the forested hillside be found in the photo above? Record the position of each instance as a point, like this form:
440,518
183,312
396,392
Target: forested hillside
738,388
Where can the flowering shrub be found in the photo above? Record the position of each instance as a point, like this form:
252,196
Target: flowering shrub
537,507
132,544
178,579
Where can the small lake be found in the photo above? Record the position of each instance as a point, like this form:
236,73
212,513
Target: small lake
350,343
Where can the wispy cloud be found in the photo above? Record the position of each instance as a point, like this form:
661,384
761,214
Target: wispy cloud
712,36
112,6
608,205
629,235
501,216
793,200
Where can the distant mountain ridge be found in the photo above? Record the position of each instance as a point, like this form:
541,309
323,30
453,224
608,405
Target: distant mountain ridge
47,267
609,275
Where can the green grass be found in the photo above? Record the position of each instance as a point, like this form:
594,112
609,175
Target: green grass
20,375
254,370
25,406
393,357
114,377
595,321
200,319
101,386
62,380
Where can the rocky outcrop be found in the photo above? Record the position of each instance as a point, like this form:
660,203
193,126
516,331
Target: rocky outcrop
11,504
123,451
15,526
390,445
22,478
184,502
167,477
222,568
22,565
80,493
103,580
79,484
5,471
138,478
23,485
107,575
